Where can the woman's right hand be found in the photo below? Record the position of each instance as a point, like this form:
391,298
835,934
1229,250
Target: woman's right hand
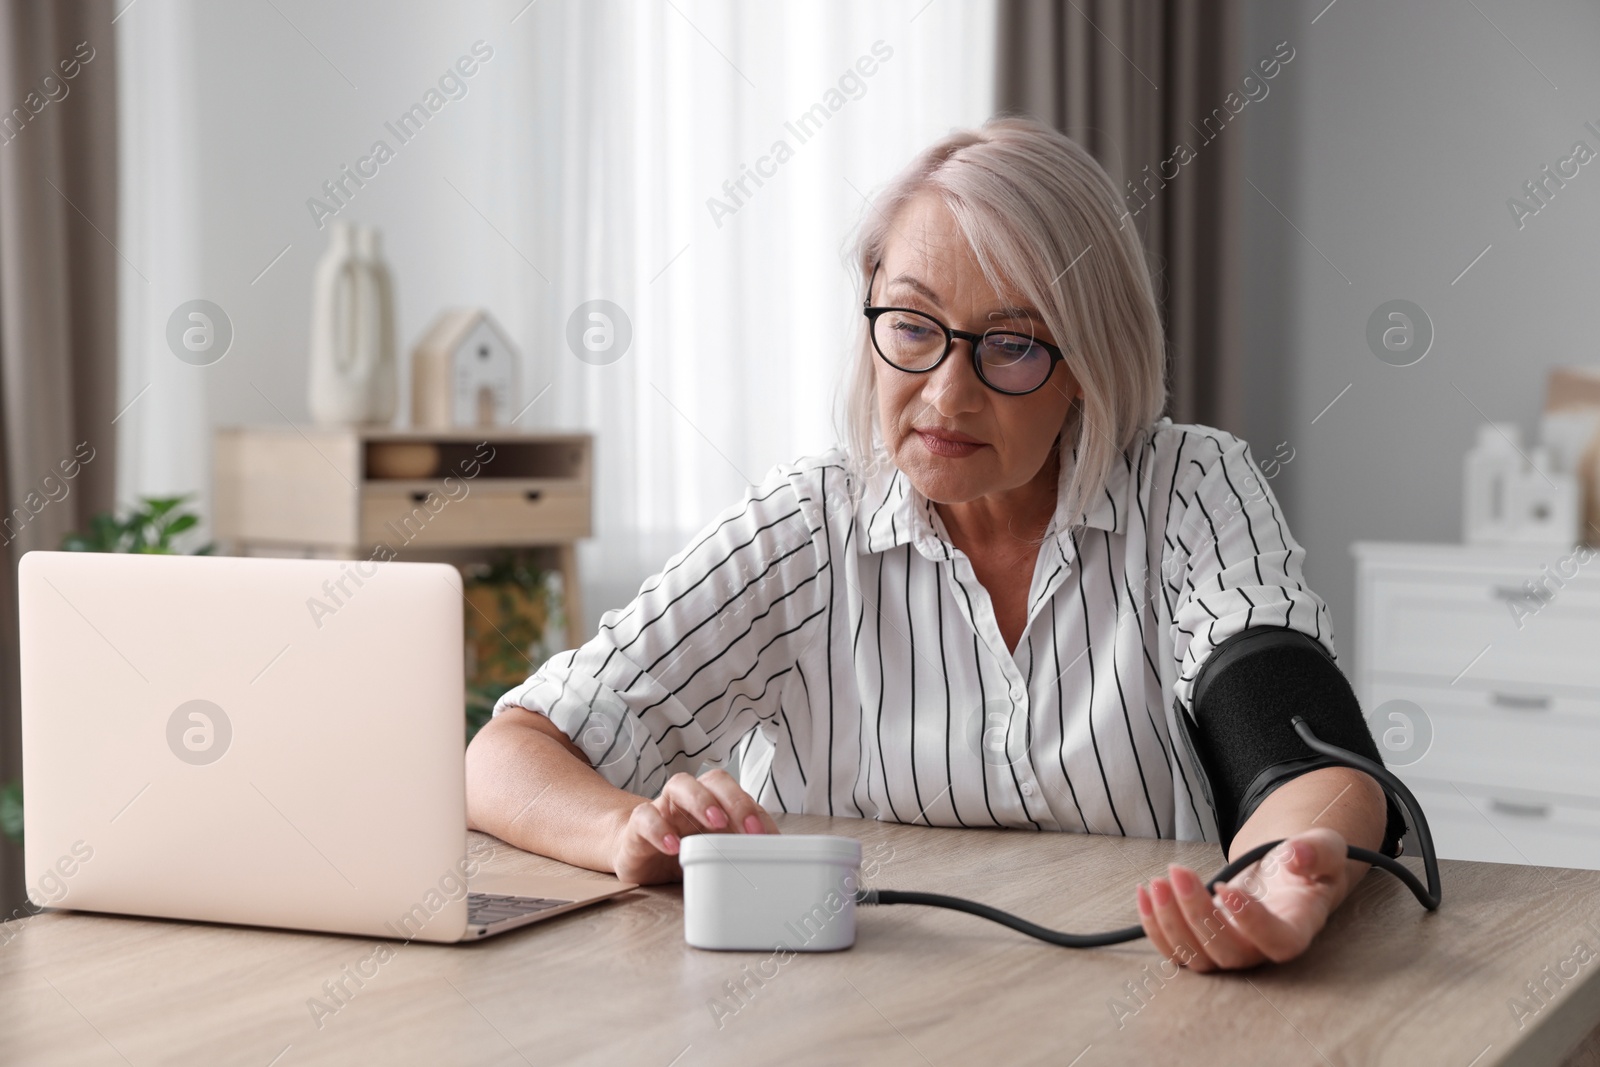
646,849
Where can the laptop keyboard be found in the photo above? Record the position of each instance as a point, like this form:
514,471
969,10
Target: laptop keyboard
485,909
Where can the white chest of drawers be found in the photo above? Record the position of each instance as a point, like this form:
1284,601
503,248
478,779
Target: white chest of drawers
1485,699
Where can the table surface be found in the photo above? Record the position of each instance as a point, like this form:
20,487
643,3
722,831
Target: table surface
1386,983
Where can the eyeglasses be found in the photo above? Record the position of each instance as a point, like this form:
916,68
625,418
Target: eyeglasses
1006,361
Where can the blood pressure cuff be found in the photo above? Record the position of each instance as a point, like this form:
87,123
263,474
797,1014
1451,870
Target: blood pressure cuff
1241,739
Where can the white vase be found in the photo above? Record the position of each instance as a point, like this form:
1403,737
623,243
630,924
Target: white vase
384,395
353,370
1492,469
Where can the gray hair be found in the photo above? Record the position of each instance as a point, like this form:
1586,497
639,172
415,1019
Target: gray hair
1030,201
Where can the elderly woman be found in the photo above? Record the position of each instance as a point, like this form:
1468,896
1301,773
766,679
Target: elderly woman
997,606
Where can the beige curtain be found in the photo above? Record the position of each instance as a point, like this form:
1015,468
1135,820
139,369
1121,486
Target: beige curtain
1131,80
58,305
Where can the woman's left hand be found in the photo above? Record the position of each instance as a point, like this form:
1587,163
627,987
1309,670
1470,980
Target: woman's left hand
1271,911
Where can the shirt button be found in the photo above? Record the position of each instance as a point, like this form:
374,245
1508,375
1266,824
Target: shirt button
1018,693
1027,789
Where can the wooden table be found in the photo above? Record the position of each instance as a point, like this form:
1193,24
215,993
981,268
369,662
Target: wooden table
1386,983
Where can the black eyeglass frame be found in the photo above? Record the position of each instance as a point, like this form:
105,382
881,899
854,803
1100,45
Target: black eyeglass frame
950,337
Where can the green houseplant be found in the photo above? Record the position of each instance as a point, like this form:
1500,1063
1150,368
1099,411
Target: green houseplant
11,810
514,623
149,527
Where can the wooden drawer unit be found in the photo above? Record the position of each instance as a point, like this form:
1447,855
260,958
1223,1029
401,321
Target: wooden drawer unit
486,514
338,491
315,486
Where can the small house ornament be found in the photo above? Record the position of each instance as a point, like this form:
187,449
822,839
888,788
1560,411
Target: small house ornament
463,372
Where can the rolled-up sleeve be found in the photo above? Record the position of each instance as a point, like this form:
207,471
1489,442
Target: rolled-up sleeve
1231,558
701,654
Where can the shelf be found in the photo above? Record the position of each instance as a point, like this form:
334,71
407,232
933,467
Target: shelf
305,491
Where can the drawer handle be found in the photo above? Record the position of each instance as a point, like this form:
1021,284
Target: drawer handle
534,495
419,498
1524,703
1521,811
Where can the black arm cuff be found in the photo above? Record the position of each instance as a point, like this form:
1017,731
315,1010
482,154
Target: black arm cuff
1243,698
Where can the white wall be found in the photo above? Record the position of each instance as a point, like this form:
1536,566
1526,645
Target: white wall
237,111
232,120
1406,129
1392,141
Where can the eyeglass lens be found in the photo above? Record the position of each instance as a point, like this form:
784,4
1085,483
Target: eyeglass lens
1008,361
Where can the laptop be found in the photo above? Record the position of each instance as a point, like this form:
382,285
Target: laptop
271,742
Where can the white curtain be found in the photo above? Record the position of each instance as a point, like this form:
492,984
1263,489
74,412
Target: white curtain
642,111
162,430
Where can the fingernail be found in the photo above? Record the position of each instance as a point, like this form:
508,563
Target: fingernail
1144,902
1184,881
1161,892
715,819
1304,853
671,841
1234,899
752,825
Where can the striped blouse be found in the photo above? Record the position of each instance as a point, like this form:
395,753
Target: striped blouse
839,649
